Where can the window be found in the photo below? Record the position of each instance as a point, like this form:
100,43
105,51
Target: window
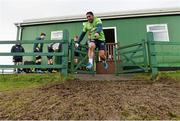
160,31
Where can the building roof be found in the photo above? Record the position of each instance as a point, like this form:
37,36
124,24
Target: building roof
110,15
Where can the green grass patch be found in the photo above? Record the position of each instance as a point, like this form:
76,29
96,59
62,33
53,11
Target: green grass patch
19,81
170,74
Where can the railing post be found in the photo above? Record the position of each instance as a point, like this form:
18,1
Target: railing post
152,57
64,49
145,54
115,61
72,55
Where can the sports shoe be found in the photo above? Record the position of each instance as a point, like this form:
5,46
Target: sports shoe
89,66
105,65
39,71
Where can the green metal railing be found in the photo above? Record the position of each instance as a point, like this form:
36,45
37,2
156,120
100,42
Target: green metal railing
138,57
80,66
155,54
63,66
133,58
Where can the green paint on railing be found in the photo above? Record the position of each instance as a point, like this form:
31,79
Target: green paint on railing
63,66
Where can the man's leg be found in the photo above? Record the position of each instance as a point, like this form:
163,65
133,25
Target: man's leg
15,63
19,70
102,53
92,46
50,62
38,62
50,58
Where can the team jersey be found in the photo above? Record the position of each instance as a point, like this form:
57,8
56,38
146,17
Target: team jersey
91,29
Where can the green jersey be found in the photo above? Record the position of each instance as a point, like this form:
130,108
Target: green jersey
91,29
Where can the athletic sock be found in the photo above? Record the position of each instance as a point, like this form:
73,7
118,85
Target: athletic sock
90,60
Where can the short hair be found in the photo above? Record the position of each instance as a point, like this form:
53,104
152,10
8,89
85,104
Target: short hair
91,13
43,34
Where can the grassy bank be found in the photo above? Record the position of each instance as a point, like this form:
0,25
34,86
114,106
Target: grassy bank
19,81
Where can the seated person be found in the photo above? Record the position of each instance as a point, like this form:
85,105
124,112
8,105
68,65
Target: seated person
38,47
17,59
52,47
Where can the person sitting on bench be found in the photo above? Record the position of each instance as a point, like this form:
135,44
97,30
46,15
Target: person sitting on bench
52,47
38,47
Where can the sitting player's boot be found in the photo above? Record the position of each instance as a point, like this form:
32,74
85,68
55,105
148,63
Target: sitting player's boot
89,66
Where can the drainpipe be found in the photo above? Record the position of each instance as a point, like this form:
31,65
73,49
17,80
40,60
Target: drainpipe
19,32
18,29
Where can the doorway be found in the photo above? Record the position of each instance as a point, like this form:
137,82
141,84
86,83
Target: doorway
111,43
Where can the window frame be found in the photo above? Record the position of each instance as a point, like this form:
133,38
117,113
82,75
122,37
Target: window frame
158,31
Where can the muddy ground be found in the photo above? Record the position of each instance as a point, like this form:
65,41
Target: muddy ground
79,99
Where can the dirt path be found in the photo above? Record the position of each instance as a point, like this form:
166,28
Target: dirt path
80,99
104,77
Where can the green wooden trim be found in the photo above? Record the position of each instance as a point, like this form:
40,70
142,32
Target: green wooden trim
65,49
131,71
130,45
85,72
131,51
80,52
130,56
72,55
145,55
115,61
80,63
165,53
153,61
134,57
165,43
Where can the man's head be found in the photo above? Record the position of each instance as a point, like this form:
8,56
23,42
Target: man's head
90,16
42,35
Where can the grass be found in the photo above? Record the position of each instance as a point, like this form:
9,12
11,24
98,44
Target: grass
171,74
19,81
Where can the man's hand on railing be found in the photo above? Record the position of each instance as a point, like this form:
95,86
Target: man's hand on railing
76,45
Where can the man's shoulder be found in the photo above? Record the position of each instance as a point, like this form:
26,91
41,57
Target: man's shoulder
13,46
97,20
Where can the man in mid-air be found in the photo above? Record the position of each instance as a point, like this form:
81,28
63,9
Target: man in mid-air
96,39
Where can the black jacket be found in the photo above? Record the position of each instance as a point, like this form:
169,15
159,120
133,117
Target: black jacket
38,47
15,49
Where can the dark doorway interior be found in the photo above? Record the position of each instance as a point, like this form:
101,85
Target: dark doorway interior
109,35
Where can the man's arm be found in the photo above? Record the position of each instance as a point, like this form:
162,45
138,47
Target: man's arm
81,36
12,49
34,46
99,28
23,49
41,47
